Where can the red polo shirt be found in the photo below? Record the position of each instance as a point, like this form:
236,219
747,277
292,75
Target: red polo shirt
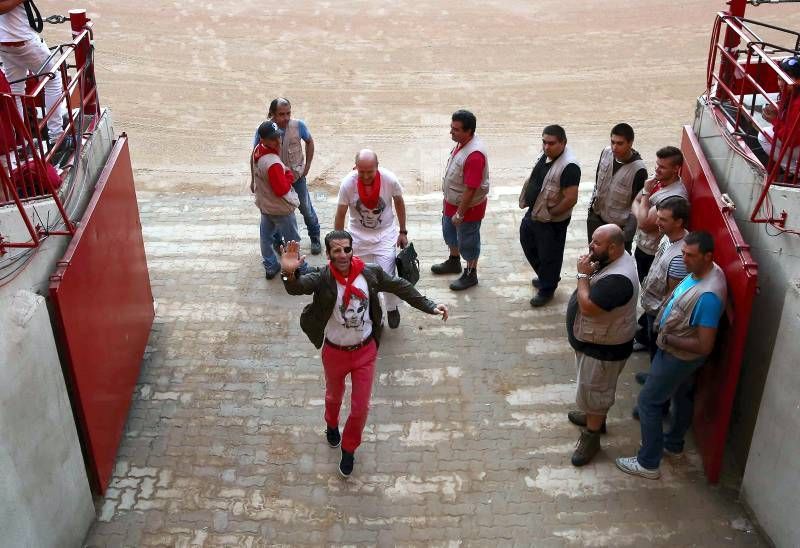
473,175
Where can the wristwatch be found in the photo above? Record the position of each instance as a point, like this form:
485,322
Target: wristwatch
581,275
286,275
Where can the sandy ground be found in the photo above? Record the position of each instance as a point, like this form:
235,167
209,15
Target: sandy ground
222,445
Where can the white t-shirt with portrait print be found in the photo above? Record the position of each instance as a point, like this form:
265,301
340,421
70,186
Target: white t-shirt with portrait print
350,326
374,230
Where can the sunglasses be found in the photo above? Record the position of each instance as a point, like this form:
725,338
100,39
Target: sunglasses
347,249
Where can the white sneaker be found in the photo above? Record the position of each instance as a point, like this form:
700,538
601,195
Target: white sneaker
630,465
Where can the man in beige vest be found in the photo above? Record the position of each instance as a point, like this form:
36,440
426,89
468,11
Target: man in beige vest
687,329
666,182
549,193
621,174
601,322
465,186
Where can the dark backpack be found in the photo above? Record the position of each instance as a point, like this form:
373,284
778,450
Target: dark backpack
408,264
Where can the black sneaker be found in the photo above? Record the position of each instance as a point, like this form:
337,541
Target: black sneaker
316,247
271,272
587,447
468,278
333,436
346,464
541,298
393,318
451,266
578,418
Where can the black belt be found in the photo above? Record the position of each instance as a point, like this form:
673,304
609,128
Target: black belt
351,347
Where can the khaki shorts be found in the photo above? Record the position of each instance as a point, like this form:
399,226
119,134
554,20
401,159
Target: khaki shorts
597,383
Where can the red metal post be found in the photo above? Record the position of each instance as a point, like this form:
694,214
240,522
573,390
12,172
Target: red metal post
732,39
79,23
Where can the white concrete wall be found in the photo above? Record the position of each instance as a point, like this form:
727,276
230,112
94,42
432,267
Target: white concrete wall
44,492
772,477
765,428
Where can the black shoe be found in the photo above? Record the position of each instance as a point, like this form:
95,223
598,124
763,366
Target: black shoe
578,418
451,266
468,278
271,272
333,436
316,247
536,283
587,447
641,377
346,464
541,298
393,317
63,151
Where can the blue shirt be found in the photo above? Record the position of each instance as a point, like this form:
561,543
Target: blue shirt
707,311
305,135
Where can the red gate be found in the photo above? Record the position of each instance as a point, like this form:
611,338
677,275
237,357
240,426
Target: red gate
104,310
717,380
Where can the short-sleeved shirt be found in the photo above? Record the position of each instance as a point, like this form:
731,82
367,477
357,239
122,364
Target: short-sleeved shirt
706,312
608,293
351,325
373,229
571,176
305,135
14,26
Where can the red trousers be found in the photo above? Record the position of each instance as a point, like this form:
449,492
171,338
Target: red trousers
360,365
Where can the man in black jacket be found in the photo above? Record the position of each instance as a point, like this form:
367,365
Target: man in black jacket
344,318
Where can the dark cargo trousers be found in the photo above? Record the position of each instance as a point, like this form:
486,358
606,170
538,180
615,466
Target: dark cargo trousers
543,245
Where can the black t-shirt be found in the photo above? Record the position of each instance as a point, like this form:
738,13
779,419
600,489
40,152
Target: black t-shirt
638,179
571,176
608,293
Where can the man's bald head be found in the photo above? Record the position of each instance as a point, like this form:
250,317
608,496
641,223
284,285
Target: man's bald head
607,245
366,166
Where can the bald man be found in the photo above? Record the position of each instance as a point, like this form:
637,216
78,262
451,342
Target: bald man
601,323
368,194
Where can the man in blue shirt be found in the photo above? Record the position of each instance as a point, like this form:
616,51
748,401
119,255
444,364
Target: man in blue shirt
687,329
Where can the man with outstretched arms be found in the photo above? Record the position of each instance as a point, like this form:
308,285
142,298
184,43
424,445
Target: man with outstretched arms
345,320
271,183
666,183
296,137
601,322
374,198
621,174
465,186
687,329
550,193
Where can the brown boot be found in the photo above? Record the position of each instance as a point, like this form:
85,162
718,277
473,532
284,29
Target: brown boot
586,448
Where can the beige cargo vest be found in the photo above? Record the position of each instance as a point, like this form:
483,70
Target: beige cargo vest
654,286
292,149
266,200
648,241
677,323
453,181
616,326
612,193
551,193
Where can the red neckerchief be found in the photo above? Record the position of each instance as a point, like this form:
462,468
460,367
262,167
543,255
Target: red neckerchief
261,151
656,188
370,200
356,266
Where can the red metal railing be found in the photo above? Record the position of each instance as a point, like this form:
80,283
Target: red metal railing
25,171
743,76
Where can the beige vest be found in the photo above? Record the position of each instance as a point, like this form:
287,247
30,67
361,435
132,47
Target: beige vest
453,181
654,286
647,242
616,326
551,193
677,323
612,193
292,149
266,200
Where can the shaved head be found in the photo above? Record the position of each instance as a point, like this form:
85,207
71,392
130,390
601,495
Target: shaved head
607,245
366,166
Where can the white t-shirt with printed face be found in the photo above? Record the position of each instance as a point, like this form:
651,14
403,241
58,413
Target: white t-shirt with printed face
352,325
14,26
372,229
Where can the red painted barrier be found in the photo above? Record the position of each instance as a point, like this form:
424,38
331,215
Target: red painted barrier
717,379
104,310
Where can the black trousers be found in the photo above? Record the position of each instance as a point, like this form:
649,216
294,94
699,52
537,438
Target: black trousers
643,263
543,245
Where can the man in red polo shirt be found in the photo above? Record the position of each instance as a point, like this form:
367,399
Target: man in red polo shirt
465,186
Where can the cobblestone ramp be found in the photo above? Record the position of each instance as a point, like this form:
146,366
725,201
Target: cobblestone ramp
467,442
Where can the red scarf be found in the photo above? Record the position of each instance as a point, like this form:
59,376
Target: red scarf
370,201
356,266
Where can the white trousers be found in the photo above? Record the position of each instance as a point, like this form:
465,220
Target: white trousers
31,56
386,262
